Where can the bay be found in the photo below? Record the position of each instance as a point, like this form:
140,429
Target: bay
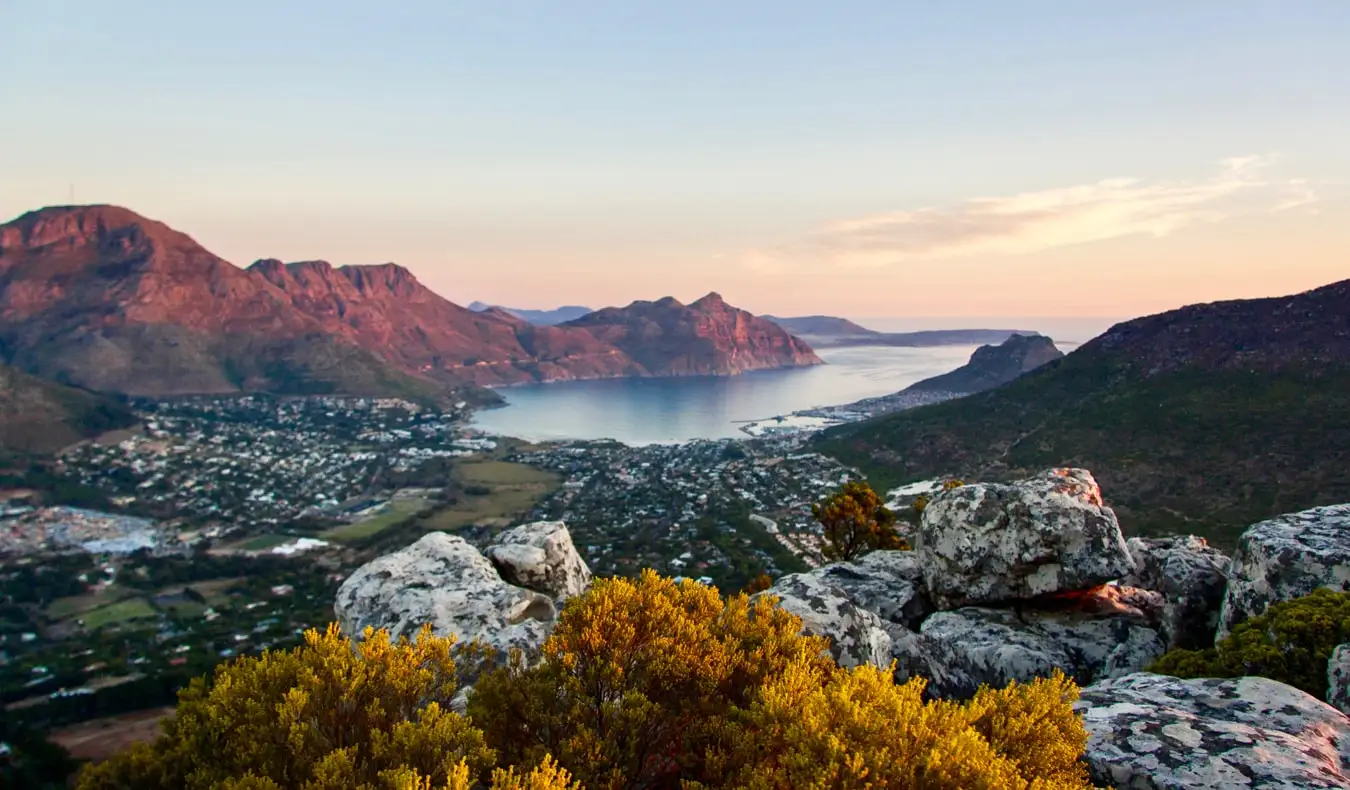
678,409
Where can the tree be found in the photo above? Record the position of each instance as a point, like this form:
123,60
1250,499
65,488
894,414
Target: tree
856,522
324,715
638,679
760,583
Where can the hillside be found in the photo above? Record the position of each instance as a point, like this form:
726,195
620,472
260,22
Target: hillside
821,326
38,416
667,338
111,301
1202,419
993,366
538,317
824,331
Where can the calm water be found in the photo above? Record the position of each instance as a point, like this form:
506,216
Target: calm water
644,411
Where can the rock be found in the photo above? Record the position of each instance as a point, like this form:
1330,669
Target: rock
959,650
540,556
1286,557
1150,732
443,580
888,583
1338,679
1191,575
991,542
856,635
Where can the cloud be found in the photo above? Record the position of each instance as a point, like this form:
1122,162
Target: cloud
1035,221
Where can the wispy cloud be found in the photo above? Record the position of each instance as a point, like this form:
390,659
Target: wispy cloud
1034,221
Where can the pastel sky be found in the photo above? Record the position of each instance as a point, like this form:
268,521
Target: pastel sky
893,159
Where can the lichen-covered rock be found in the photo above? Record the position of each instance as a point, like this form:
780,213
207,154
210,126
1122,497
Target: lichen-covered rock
888,583
1284,558
959,650
1338,679
1191,576
444,581
541,557
1154,732
857,636
992,542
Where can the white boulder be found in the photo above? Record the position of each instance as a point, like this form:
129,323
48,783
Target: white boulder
1191,576
443,580
857,636
1338,679
992,542
1154,732
888,583
540,556
1287,557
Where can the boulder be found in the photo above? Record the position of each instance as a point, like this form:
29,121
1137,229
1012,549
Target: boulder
443,580
960,650
1338,679
857,636
888,583
1286,557
993,542
1154,732
1191,576
540,556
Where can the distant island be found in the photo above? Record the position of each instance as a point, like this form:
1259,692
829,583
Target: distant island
823,331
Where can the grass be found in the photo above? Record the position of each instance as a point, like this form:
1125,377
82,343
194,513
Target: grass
392,514
513,490
120,612
73,605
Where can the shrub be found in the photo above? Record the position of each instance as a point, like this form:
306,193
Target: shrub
855,522
760,583
323,715
638,679
1290,642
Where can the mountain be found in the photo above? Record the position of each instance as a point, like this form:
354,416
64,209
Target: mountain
1206,418
538,317
667,338
821,326
824,331
40,416
993,366
103,298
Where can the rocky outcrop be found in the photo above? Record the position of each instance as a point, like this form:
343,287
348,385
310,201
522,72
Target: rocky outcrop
857,636
962,649
540,557
888,583
1191,575
1152,732
990,542
1338,679
994,365
443,580
1287,557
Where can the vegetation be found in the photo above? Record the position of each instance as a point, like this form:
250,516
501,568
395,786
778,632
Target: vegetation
1207,452
1290,642
921,501
856,521
40,416
644,684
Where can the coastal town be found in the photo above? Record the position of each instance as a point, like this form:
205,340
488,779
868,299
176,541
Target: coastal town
223,526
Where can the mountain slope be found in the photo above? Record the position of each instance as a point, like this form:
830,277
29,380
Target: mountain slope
39,416
709,336
993,366
104,298
1205,418
820,325
538,317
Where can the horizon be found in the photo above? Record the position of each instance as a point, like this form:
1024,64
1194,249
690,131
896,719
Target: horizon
1058,162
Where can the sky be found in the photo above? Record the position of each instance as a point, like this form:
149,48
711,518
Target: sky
897,160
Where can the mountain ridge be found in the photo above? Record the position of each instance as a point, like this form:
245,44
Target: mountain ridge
993,366
1205,418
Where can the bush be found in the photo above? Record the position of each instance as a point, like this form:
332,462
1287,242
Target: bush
323,715
1290,642
652,684
855,522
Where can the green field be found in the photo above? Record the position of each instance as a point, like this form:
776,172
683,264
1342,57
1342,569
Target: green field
513,490
393,513
122,611
70,606
262,542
